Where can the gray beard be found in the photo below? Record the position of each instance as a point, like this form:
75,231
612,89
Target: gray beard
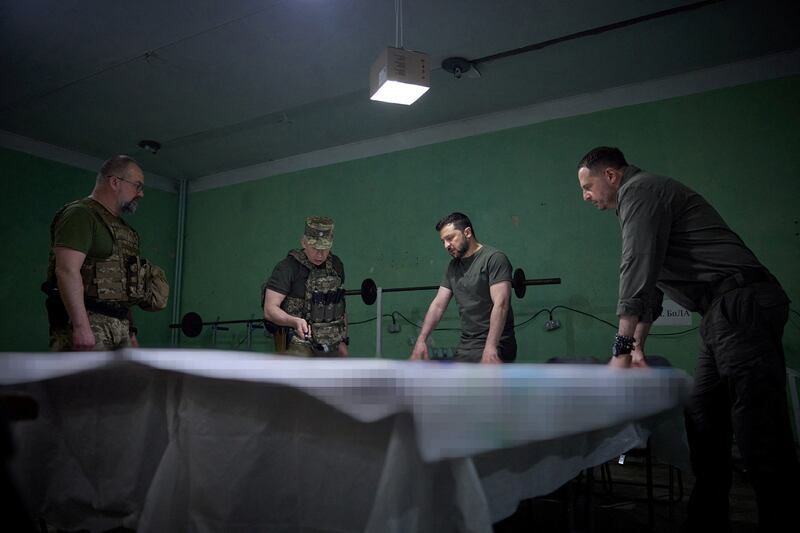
130,207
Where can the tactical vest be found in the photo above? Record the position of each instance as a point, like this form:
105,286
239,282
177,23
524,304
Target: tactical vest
115,279
323,305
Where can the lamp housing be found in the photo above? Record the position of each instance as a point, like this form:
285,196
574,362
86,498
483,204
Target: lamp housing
399,76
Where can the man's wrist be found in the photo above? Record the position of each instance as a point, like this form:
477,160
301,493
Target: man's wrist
623,345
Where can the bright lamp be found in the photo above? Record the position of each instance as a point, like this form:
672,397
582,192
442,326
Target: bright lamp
399,76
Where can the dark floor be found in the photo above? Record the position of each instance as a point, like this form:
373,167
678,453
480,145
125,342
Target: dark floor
616,507
622,508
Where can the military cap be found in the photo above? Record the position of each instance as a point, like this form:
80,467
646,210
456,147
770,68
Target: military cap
319,232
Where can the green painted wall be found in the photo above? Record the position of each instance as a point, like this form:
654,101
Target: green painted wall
34,189
736,146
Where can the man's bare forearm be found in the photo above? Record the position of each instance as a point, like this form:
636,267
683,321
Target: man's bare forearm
642,330
70,287
497,321
627,325
278,316
432,317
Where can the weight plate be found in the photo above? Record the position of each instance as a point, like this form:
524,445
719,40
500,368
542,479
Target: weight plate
191,324
369,291
518,282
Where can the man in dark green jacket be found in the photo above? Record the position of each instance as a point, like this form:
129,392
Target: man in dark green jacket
675,243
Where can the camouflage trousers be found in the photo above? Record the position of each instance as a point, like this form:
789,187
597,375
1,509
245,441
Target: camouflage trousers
109,334
305,349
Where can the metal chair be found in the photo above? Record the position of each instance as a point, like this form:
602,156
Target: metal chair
645,454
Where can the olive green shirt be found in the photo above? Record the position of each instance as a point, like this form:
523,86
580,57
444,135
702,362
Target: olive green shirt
289,276
672,241
470,278
79,228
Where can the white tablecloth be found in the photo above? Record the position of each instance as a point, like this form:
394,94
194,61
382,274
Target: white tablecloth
187,440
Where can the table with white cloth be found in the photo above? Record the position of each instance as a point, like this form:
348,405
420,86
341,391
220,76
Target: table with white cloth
210,440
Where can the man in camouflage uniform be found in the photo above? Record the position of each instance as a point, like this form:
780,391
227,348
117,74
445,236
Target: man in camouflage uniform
95,273
306,293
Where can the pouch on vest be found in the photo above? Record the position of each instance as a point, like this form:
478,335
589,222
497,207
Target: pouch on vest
147,284
327,333
103,280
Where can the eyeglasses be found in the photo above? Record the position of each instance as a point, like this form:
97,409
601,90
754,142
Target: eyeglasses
138,184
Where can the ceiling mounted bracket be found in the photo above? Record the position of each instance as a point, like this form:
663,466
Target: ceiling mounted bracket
456,66
151,146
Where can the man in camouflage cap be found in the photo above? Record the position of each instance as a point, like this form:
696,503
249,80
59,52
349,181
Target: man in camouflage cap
306,294
95,274
319,232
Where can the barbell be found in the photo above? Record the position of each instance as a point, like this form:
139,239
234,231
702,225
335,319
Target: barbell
369,291
192,323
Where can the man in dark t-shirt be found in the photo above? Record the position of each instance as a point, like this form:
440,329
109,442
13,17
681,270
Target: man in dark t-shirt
479,276
306,294
88,300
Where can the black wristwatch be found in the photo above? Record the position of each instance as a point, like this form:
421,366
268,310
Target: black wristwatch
623,345
346,341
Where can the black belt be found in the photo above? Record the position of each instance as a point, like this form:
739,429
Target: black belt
107,309
740,279
104,308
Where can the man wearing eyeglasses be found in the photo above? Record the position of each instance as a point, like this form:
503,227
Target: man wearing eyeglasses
95,273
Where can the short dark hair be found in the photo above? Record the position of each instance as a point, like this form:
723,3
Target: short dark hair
458,220
115,166
603,156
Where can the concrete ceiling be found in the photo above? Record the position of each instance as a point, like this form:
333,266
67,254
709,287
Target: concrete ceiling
227,85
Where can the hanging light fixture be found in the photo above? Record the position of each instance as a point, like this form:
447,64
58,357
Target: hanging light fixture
399,76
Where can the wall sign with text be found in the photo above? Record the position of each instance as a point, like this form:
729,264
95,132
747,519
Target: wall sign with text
673,314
